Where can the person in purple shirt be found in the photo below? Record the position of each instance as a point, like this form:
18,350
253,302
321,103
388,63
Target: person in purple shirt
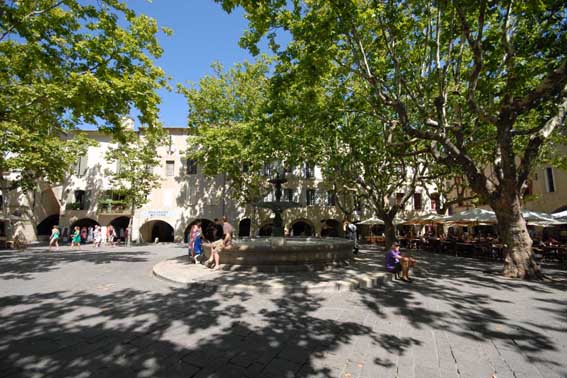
396,263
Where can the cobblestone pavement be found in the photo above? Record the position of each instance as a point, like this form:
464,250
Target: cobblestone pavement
102,314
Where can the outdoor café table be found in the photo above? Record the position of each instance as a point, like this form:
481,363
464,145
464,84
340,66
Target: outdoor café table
464,248
448,246
550,252
497,250
434,244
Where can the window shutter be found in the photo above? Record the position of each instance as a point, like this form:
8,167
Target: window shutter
84,164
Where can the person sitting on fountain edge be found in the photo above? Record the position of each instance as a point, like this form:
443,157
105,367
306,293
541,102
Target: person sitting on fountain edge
396,263
216,242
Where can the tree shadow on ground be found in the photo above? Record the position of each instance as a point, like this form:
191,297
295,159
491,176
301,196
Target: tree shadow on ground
23,265
464,302
183,333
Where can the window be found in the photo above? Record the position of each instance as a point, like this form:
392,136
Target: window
331,198
289,195
149,169
309,171
434,201
1,202
549,182
191,167
81,166
169,168
417,201
310,197
399,198
81,200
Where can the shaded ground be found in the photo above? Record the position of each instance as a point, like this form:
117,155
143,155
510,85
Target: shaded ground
102,314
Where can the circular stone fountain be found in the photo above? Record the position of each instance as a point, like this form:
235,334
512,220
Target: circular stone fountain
275,253
278,253
286,254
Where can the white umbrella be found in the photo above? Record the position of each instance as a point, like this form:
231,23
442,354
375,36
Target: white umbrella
537,218
476,215
562,214
431,218
372,221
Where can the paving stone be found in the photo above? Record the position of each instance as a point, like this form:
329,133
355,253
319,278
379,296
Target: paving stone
101,314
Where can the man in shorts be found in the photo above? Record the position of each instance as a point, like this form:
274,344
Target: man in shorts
216,242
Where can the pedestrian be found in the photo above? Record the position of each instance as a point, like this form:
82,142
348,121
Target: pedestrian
54,238
193,235
97,235
90,236
227,231
110,235
76,238
396,263
216,242
352,235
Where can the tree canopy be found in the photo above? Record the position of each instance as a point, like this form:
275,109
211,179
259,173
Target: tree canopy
67,63
483,83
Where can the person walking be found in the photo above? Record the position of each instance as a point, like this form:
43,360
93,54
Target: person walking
110,235
76,238
54,238
352,235
97,235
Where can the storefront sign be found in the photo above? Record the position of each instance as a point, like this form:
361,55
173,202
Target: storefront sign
159,214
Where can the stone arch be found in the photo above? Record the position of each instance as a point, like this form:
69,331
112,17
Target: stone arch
83,224
302,228
120,225
205,223
244,227
266,229
330,228
159,229
45,226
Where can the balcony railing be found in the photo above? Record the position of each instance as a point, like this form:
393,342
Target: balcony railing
113,207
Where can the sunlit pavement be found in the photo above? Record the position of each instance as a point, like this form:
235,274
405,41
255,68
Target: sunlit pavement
101,313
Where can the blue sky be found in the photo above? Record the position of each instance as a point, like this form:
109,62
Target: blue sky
202,33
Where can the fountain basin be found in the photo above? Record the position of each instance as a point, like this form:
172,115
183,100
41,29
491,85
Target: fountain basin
289,254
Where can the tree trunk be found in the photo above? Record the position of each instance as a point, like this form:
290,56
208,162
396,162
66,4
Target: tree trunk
5,207
389,233
519,261
130,225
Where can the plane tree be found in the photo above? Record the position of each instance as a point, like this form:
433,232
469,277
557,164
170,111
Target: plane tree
63,64
227,133
134,177
484,83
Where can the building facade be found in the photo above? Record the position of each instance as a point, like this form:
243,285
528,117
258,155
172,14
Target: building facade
184,196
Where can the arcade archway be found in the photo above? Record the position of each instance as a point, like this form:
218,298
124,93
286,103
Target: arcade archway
157,230
301,228
45,226
330,228
265,230
244,227
120,225
84,224
205,223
